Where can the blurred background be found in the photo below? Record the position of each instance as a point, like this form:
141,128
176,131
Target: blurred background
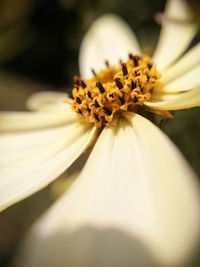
39,45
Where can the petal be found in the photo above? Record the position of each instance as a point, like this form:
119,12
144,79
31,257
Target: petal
28,174
183,100
176,33
183,65
109,38
135,196
187,81
23,121
48,101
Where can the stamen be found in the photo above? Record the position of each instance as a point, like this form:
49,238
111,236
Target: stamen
135,100
121,99
96,104
96,116
118,83
135,60
133,85
100,86
124,69
108,112
78,100
107,63
93,72
83,84
89,95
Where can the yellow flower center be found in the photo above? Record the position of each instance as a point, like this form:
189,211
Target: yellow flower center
115,90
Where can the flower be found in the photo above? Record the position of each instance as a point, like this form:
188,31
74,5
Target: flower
136,201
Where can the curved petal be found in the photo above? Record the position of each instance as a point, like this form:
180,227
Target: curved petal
48,101
187,81
186,63
44,163
135,186
183,100
176,33
109,38
23,121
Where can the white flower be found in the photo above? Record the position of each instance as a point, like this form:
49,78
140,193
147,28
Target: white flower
136,201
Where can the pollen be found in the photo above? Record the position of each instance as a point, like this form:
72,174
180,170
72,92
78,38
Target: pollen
115,89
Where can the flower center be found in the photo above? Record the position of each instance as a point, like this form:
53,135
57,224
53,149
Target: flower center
115,90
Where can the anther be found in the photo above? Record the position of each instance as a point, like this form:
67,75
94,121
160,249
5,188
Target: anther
130,55
124,69
135,100
121,99
135,60
89,95
149,66
78,100
79,111
137,73
107,111
76,80
107,63
96,116
118,83
96,104
133,85
100,87
83,84
88,109
93,72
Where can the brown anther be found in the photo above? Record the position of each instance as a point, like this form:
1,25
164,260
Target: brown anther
79,111
118,83
96,104
107,63
121,99
135,60
133,85
137,73
93,72
107,111
100,87
89,95
78,100
135,100
124,69
76,80
141,88
83,84
149,66
96,116
88,109
130,55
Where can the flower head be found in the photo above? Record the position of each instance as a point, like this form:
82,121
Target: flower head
136,195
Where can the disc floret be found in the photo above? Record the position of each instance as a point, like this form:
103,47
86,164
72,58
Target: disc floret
115,89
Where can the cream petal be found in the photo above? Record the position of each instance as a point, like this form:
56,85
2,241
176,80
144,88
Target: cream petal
186,63
135,197
109,38
176,33
187,81
183,100
23,121
48,101
27,175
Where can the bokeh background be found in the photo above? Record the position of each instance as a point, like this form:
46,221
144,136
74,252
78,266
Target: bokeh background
39,46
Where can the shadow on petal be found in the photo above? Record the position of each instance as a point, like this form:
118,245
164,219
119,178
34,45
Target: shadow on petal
86,247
